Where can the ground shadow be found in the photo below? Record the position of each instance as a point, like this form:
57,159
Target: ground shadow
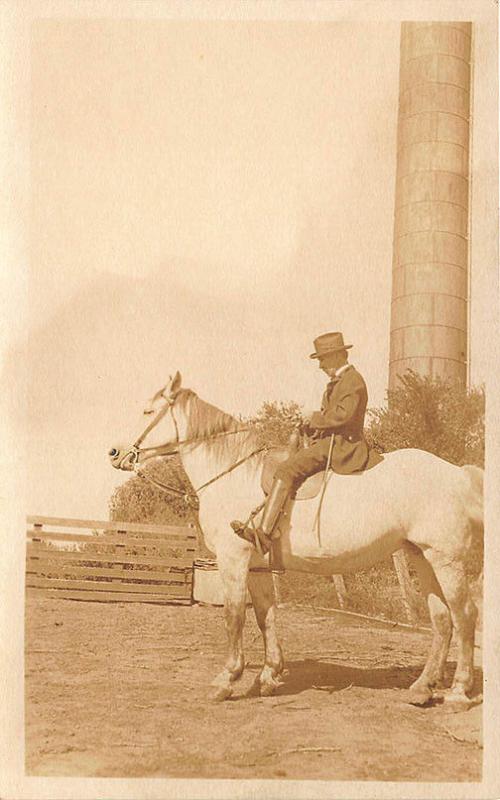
307,673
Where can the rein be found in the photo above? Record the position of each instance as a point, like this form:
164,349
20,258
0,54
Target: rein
190,498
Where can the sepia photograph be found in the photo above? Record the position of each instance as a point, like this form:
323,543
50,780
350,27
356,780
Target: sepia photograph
250,295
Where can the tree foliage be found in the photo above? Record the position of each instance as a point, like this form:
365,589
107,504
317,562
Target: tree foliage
138,500
275,422
433,415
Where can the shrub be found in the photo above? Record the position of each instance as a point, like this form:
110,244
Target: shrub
138,500
275,422
433,415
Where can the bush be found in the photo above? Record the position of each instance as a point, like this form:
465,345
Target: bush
275,422
138,500
433,415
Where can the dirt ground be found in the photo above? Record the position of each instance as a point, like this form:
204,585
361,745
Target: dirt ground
122,690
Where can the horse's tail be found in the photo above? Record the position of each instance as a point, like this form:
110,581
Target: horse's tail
474,494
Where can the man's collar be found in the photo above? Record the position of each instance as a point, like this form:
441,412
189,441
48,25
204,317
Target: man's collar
341,370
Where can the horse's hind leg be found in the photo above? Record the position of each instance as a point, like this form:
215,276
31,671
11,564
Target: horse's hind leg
421,690
233,570
450,572
262,592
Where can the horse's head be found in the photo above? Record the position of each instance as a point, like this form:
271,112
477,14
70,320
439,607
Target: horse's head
160,436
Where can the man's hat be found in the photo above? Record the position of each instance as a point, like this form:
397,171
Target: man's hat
329,343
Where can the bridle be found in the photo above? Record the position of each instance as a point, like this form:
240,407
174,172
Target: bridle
190,498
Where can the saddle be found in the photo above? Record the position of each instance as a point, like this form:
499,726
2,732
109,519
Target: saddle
311,486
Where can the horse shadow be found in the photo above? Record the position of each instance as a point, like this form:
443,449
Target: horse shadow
312,673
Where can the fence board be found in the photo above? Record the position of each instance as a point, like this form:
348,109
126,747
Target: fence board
178,589
108,526
41,567
60,573
170,540
37,550
107,597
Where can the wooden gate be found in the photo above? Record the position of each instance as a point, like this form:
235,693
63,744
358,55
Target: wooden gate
109,561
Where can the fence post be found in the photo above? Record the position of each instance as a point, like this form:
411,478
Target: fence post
37,527
400,562
340,589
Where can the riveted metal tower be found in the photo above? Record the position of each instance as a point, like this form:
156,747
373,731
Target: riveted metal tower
430,278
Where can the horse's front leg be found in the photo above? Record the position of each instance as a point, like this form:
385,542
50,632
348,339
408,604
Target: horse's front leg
261,589
233,569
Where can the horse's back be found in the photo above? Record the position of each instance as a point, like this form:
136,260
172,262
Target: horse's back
377,509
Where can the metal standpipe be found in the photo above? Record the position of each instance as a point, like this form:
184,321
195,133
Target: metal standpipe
429,312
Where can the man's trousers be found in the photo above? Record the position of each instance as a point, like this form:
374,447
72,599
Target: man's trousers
304,463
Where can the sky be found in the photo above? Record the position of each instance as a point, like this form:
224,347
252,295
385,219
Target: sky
209,196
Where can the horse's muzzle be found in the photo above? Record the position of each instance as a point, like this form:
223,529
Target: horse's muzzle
123,458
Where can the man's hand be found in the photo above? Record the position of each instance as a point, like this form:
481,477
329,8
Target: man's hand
306,418
306,424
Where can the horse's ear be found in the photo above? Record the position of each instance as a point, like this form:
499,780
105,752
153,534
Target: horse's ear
176,383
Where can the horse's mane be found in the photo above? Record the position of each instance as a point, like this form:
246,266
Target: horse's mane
207,423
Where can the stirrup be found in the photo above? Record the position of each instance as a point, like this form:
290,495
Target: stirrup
242,530
255,536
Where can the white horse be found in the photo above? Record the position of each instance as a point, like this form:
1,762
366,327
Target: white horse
412,499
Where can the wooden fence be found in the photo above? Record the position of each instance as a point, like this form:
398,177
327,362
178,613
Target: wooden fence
92,560
408,594
125,562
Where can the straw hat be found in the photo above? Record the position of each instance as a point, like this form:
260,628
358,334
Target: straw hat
329,343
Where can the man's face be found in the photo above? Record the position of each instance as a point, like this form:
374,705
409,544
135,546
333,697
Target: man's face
331,362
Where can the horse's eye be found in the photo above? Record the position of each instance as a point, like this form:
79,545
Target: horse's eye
147,411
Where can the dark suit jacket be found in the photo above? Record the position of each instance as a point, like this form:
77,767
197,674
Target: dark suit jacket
343,414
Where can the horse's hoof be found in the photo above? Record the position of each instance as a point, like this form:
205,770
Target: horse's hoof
419,697
457,701
270,684
419,693
223,693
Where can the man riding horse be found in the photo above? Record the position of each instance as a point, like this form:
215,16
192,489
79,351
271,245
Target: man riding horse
337,430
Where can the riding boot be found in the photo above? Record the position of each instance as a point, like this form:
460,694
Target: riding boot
275,502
